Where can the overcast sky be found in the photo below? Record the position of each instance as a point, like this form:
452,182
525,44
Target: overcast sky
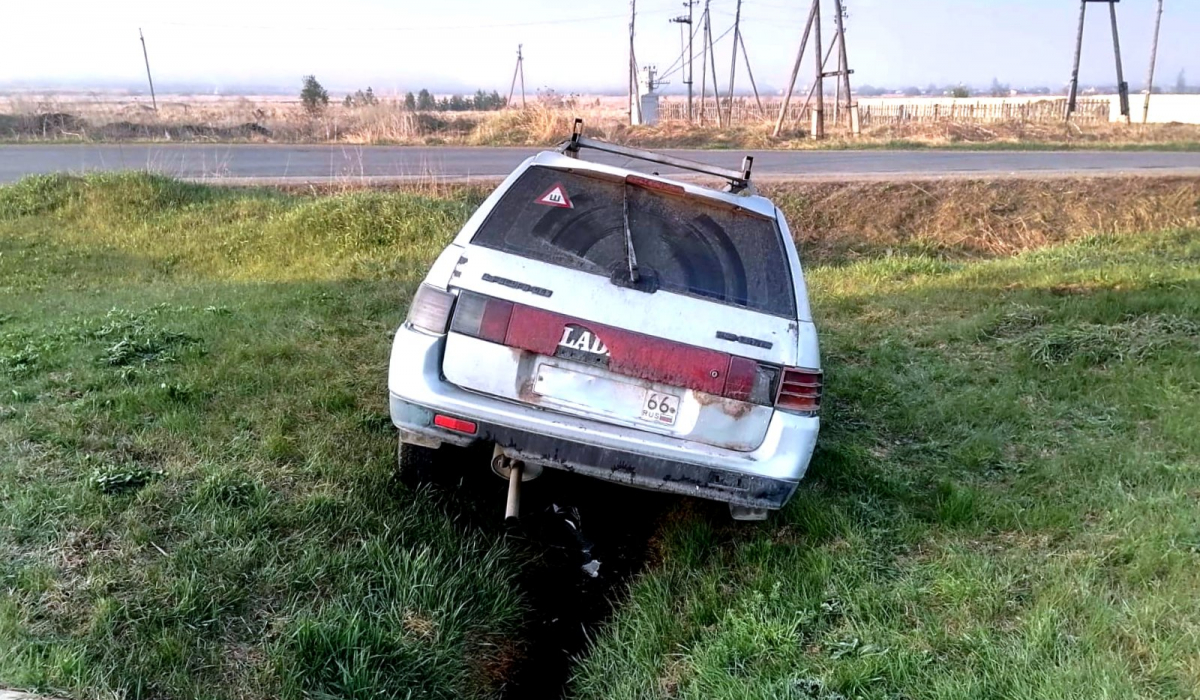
403,44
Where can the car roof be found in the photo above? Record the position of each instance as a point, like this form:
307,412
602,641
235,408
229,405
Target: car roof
751,202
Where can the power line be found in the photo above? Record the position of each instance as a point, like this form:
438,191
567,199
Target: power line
676,66
721,36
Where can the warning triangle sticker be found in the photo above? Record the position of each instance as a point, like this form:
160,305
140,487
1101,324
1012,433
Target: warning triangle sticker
556,197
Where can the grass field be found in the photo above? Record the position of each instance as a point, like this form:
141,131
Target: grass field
196,470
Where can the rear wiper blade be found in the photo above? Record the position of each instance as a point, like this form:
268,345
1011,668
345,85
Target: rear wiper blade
630,253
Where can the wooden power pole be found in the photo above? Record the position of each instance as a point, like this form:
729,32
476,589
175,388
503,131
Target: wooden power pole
703,59
787,95
712,57
1153,60
635,100
518,70
691,56
844,70
737,21
149,77
687,66
1122,86
821,57
818,116
762,112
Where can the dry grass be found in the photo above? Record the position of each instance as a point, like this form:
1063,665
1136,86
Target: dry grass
979,217
947,218
542,123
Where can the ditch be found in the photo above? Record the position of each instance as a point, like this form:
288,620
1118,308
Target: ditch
581,541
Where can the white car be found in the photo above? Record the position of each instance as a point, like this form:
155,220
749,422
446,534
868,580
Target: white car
620,325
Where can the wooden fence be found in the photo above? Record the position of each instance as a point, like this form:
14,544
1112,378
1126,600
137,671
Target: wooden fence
884,112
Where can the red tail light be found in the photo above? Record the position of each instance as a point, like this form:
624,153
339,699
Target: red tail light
482,317
750,381
456,424
430,309
799,390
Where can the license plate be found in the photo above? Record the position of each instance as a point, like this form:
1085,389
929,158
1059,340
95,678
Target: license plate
660,408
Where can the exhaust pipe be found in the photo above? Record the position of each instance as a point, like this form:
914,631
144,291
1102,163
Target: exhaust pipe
512,510
514,471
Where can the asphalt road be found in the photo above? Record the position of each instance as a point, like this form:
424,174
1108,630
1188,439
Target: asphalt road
288,163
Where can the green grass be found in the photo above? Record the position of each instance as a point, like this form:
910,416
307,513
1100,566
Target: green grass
196,457
1003,502
195,471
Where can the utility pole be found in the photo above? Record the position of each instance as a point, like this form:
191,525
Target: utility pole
691,72
1122,86
1153,60
519,69
635,100
762,112
737,29
844,69
150,78
703,60
688,66
813,90
818,117
1078,54
787,95
712,56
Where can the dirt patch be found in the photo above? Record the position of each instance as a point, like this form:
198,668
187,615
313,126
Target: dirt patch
581,541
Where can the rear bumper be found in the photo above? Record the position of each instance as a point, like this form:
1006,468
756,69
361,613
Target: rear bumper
765,477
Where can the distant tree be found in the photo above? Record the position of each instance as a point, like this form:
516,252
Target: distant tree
361,99
425,101
486,101
912,91
871,91
960,91
313,96
481,101
1181,85
999,89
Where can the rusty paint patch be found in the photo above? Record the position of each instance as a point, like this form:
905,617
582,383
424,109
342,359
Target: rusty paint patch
730,407
526,391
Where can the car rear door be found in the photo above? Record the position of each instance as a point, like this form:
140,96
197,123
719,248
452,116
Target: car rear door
549,313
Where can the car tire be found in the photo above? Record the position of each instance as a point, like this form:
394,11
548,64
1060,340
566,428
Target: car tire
415,464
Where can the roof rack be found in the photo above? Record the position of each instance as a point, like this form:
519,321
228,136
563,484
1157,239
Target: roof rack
738,179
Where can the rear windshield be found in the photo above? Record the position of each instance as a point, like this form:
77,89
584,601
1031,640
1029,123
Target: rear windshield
687,245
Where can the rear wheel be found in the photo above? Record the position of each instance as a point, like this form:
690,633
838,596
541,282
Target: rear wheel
414,464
